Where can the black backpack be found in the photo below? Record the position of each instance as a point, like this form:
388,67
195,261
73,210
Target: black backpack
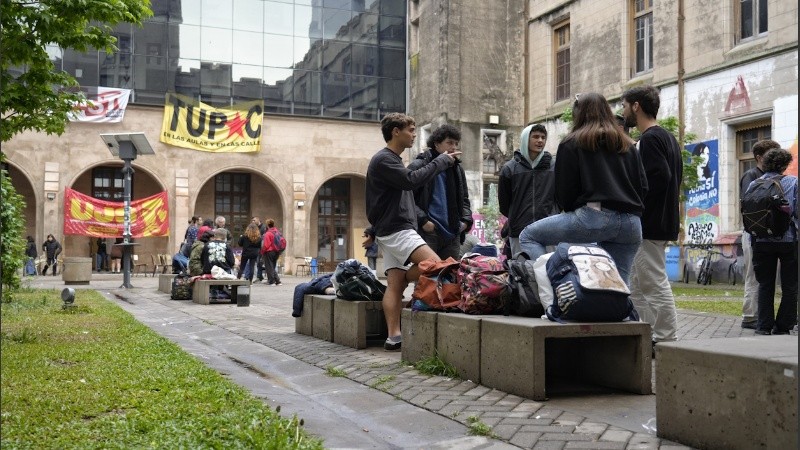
765,211
524,299
587,286
181,287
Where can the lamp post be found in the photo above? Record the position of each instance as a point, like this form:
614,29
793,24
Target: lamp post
127,146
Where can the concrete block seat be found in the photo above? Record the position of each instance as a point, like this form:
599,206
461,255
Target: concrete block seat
729,393
201,288
165,282
345,322
527,356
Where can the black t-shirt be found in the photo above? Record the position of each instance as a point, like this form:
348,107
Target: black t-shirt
663,164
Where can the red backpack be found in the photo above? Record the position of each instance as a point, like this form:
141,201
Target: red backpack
437,287
484,284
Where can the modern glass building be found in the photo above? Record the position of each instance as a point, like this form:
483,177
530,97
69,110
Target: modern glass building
329,58
326,70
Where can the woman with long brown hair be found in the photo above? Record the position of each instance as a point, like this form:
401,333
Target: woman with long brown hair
250,242
600,185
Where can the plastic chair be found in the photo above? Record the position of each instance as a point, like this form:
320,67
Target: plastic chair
314,266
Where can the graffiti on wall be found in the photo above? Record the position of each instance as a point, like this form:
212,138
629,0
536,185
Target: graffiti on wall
792,169
738,98
702,202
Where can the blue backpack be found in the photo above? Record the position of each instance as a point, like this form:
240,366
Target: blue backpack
587,286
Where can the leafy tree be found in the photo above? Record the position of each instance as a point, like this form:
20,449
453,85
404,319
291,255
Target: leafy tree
36,96
491,217
12,244
33,94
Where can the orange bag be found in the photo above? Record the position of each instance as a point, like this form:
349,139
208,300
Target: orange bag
437,287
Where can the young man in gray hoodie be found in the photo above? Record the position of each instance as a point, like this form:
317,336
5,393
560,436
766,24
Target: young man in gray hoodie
526,191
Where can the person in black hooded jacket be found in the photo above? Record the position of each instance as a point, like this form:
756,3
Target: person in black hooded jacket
444,216
526,189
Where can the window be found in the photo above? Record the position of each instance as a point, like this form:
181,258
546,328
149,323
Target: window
752,18
107,184
232,200
746,137
561,48
643,35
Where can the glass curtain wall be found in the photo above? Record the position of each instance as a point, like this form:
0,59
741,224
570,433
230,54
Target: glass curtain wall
331,58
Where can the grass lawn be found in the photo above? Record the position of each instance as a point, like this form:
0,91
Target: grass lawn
94,377
712,299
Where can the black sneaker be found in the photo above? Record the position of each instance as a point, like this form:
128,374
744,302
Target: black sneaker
749,324
393,344
777,331
763,332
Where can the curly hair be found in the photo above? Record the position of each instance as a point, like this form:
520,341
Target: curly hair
442,133
777,160
252,233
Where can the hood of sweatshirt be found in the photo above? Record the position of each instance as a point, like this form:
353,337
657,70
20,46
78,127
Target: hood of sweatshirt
524,150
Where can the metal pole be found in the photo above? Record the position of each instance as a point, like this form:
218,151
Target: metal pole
127,171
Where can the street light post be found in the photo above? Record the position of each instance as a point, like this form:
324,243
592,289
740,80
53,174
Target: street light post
127,146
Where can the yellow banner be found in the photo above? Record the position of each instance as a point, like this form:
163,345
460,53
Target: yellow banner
191,124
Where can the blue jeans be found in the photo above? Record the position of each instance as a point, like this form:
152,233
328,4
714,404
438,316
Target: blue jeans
618,233
30,269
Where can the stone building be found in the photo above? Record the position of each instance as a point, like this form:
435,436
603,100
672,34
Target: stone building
727,70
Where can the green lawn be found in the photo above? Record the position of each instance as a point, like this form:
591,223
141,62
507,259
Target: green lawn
712,299
94,377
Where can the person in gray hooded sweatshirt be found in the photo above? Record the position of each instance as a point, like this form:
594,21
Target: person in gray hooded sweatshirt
526,191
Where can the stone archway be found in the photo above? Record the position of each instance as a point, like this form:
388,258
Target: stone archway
144,184
338,218
24,187
239,195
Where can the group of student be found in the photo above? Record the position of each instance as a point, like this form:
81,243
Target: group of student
208,243
602,187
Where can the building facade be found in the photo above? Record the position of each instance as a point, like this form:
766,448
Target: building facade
326,70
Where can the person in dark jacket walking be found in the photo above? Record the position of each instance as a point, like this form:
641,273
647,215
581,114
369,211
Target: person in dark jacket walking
52,249
526,188
651,292
443,211
31,255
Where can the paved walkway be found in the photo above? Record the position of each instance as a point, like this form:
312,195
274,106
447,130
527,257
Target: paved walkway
382,403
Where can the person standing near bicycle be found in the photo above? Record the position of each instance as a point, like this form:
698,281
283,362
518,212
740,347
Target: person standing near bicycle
750,305
768,251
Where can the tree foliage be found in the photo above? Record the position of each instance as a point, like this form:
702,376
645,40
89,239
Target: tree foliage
34,95
12,243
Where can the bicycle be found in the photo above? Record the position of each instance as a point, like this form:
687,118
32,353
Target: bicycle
733,272
704,272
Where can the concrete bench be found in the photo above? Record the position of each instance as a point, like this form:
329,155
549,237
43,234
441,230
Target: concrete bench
201,288
345,322
730,393
522,356
165,282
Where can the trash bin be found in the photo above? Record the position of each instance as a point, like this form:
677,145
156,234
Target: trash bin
76,270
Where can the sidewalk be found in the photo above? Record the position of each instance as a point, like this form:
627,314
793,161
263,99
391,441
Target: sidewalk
383,404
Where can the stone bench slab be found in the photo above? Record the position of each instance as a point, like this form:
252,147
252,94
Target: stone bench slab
519,355
201,288
729,393
165,282
356,322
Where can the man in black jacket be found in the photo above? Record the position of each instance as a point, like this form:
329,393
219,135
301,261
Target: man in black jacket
444,216
526,190
651,292
52,249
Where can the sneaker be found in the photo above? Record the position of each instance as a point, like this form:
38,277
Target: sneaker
777,331
393,344
763,332
278,283
749,324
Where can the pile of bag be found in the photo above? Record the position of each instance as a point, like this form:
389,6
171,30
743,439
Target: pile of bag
355,281
577,282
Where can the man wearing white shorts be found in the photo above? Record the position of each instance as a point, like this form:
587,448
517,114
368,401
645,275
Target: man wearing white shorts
390,210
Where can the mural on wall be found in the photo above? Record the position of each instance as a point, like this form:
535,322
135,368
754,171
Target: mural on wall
702,202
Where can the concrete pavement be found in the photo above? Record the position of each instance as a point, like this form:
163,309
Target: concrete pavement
382,403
